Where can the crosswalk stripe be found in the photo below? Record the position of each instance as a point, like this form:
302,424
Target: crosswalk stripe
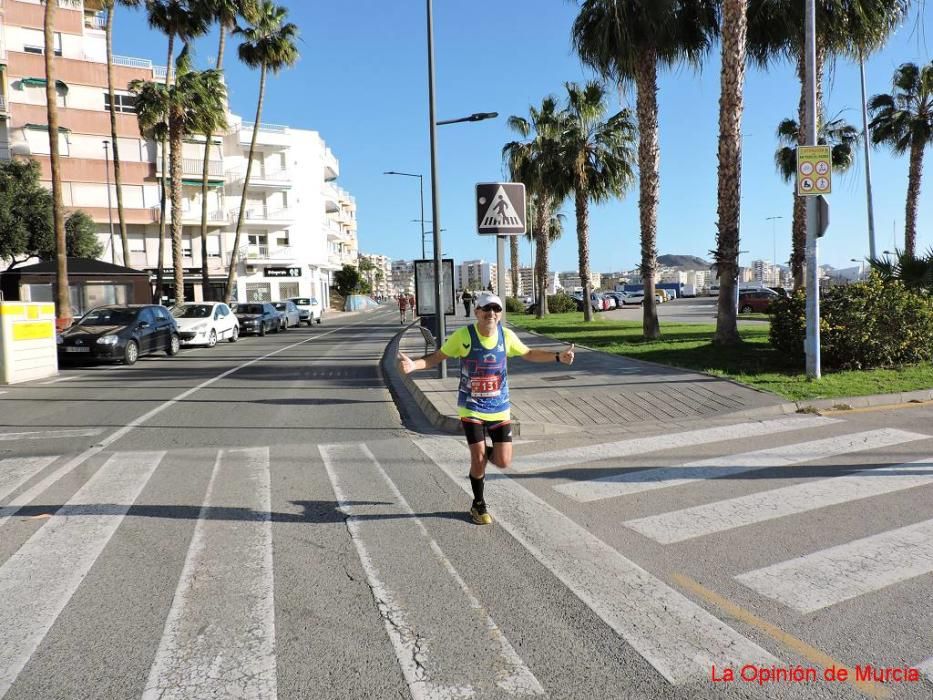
782,456
656,443
219,636
677,637
680,525
830,576
926,668
363,488
16,471
39,579
52,434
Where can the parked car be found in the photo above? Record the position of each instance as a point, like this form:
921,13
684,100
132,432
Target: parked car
290,311
616,298
632,298
611,300
258,317
309,308
757,301
206,323
120,333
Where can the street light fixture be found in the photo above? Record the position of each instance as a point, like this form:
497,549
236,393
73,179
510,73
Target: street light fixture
421,182
861,263
113,250
435,200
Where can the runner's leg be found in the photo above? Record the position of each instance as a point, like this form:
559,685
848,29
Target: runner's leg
501,452
476,440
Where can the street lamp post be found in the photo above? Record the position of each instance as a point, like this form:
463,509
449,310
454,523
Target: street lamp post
113,250
773,220
861,266
421,183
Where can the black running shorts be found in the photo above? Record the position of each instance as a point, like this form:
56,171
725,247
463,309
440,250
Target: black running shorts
475,430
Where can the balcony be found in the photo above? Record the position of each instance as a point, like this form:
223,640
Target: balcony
331,166
193,167
268,136
261,177
191,217
263,253
95,22
3,107
335,231
331,198
260,215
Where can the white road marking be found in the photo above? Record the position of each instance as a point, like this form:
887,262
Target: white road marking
676,636
219,636
716,467
39,579
16,471
670,441
424,672
926,668
26,497
61,379
680,525
830,576
52,434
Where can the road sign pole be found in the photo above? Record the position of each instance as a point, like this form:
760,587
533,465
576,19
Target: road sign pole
500,270
812,343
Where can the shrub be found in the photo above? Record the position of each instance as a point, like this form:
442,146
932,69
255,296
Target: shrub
514,306
561,303
863,325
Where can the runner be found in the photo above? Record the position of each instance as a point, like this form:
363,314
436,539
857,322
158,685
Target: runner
483,394
402,306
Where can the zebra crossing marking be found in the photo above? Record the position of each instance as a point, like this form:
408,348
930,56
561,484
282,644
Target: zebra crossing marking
676,636
688,523
833,575
16,471
59,555
657,443
783,456
219,635
422,671
51,434
926,668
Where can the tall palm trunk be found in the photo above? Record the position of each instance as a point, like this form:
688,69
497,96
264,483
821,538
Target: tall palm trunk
649,163
582,205
117,174
205,278
175,136
231,275
732,79
915,173
62,294
513,254
542,215
160,273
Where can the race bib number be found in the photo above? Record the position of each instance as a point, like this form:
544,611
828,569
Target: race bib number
485,387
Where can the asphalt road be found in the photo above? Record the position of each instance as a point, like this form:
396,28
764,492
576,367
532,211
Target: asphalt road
685,310
260,520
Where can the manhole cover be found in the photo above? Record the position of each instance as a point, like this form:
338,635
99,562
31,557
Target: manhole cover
559,378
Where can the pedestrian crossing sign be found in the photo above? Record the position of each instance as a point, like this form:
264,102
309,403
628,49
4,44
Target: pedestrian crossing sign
500,208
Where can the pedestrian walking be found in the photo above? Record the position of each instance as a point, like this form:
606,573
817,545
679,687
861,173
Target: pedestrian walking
467,299
411,305
402,306
483,393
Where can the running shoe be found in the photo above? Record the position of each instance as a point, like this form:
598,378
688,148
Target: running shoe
480,515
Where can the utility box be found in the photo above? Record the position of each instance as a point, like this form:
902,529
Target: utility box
27,341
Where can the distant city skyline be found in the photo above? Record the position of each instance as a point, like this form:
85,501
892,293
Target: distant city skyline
364,89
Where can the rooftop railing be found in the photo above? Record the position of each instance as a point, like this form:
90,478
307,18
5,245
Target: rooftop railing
274,128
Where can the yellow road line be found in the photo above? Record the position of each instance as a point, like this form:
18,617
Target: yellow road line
796,645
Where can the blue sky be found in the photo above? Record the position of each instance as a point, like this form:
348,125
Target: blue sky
362,83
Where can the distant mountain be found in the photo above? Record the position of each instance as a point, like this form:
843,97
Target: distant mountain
691,262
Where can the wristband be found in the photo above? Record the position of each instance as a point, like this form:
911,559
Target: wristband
557,357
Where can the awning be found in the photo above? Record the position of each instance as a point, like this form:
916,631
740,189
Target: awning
210,183
45,127
41,82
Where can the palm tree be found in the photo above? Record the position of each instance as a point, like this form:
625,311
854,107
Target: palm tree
599,155
513,256
903,121
731,92
268,44
536,162
110,7
842,138
914,272
62,294
626,41
194,104
843,27
174,18
225,13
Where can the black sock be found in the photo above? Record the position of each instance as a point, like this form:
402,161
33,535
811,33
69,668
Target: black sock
477,485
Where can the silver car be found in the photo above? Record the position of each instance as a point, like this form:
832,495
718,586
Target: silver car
291,316
310,309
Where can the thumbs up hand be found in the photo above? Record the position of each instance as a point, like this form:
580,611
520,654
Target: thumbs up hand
405,363
567,355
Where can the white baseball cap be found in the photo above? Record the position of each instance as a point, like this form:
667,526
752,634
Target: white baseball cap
485,298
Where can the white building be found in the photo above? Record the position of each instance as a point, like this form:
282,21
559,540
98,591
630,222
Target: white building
403,277
475,274
380,276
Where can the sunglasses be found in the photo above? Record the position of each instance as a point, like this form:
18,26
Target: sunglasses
495,308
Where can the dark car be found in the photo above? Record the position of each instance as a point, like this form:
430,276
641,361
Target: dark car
757,301
258,317
121,333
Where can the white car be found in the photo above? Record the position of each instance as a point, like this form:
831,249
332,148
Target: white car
632,298
309,308
205,323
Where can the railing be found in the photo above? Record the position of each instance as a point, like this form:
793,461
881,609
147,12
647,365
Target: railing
275,128
95,22
159,72
70,4
263,214
195,166
193,215
239,174
132,62
262,252
2,103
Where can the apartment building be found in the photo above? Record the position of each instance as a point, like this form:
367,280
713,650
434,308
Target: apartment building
380,276
403,277
475,274
297,229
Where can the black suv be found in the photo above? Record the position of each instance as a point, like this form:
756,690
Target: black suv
121,333
258,317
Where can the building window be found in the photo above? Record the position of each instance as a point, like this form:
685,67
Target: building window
121,103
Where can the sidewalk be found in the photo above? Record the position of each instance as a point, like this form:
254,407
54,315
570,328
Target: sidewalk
598,389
